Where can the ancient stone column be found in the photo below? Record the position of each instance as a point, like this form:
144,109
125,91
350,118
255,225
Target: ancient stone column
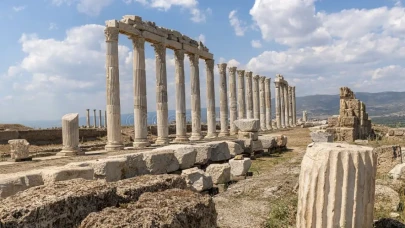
241,94
95,118
211,116
256,101
140,100
181,124
70,135
233,115
249,95
336,186
114,141
294,106
262,103
286,105
99,119
304,116
267,94
290,107
195,98
161,95
278,102
88,118
282,102
105,119
223,100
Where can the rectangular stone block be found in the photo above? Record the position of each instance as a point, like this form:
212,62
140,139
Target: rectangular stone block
333,122
348,134
10,184
51,175
159,162
349,121
248,125
248,135
399,132
110,169
321,136
219,151
135,164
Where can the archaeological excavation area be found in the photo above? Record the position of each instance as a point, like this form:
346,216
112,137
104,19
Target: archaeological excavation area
227,173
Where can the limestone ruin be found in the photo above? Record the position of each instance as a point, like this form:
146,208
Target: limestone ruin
352,122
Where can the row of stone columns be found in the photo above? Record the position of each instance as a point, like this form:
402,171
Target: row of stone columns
285,103
100,125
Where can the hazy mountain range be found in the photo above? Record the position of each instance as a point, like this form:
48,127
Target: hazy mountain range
383,104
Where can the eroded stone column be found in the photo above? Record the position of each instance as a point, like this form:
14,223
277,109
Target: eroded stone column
223,100
94,118
233,115
181,123
114,140
290,107
140,100
195,98
70,135
99,119
105,119
278,102
262,101
211,116
336,186
249,95
267,93
282,102
241,94
161,95
286,106
256,100
294,105
88,118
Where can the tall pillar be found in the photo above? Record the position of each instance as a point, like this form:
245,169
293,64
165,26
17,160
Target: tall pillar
233,115
88,118
140,100
161,95
105,119
70,135
304,116
277,91
262,101
267,94
181,124
294,113
99,119
195,97
256,101
290,107
114,141
249,95
241,94
94,118
223,100
211,116
337,186
286,106
282,102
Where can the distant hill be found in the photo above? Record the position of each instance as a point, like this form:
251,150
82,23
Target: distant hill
380,107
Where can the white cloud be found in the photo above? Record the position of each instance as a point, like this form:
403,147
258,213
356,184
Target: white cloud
89,7
52,26
256,43
19,8
238,25
201,38
233,63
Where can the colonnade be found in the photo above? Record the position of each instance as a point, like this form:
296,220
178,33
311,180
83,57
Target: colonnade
285,103
248,96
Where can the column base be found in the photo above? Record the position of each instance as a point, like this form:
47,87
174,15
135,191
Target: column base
140,144
181,139
114,147
162,141
233,133
223,134
70,153
196,137
211,136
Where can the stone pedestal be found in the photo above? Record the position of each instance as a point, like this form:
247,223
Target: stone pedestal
181,124
233,115
161,95
114,140
223,100
211,116
19,150
195,98
256,100
262,102
336,186
70,135
88,118
241,94
140,100
249,95
267,93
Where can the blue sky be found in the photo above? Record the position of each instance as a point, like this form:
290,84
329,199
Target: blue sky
52,53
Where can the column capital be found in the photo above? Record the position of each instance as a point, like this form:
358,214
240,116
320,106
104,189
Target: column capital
248,74
232,70
262,79
256,77
222,68
111,34
138,42
194,59
179,54
209,63
160,51
277,84
268,80
241,73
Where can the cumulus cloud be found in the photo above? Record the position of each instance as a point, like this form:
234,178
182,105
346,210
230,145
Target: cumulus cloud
238,25
201,38
256,43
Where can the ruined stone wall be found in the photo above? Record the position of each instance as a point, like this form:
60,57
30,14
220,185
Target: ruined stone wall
352,122
48,136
